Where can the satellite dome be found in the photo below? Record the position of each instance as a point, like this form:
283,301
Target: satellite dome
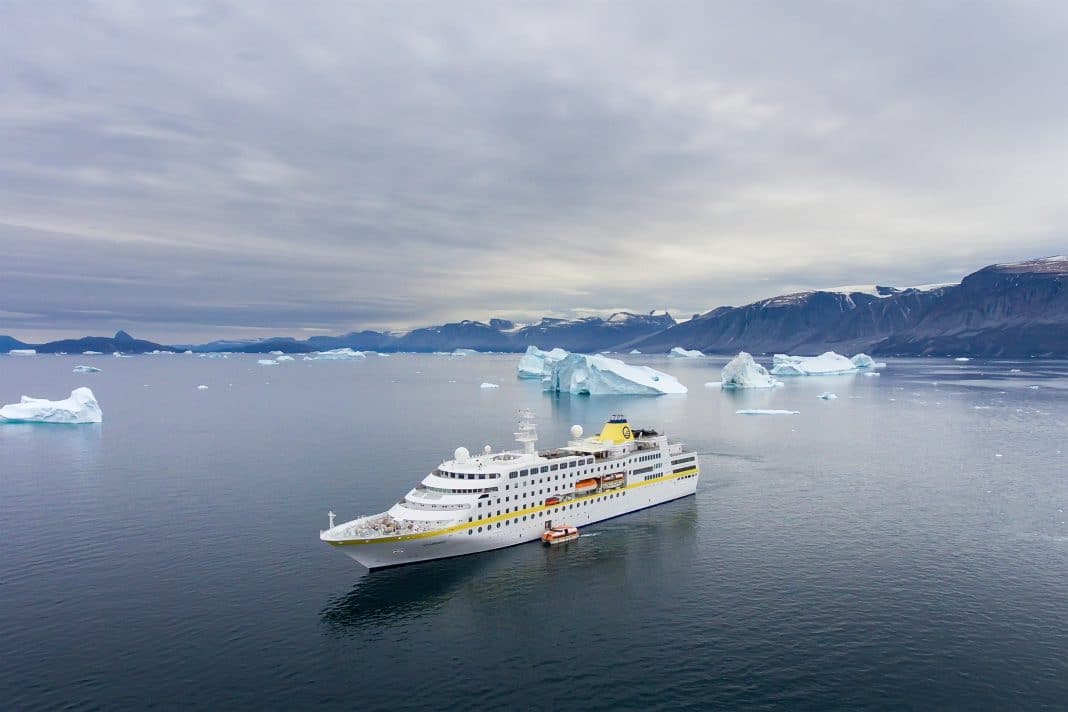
487,449
576,431
461,454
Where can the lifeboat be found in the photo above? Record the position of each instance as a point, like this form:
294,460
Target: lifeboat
586,485
560,534
550,501
614,480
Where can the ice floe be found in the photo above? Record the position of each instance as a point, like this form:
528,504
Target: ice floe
202,387
490,385
85,369
866,361
275,353
92,353
743,372
679,352
536,363
714,384
267,362
828,396
344,354
634,352
22,352
582,374
463,352
756,411
80,407
825,364
283,357
962,359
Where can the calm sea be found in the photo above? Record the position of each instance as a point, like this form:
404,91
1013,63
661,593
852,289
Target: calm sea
902,547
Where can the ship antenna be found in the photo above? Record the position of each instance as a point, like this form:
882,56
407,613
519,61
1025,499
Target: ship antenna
527,434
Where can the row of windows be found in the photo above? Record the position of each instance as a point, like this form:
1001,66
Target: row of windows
677,470
691,458
554,510
445,490
550,468
467,475
647,458
643,470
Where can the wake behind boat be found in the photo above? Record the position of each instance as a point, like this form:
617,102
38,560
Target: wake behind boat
473,504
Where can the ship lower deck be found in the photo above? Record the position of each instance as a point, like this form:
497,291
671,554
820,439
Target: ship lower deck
518,528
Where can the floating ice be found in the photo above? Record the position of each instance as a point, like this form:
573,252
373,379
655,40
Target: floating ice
463,352
743,372
679,352
275,353
23,352
92,353
962,359
202,387
215,354
536,363
871,373
634,352
828,396
283,357
581,374
86,369
767,412
489,385
1014,370
267,362
866,361
824,364
81,407
344,354
714,384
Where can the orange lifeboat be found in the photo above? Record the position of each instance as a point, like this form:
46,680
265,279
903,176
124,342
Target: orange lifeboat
550,501
560,534
586,485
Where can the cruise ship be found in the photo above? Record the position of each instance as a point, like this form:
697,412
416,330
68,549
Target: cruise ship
472,504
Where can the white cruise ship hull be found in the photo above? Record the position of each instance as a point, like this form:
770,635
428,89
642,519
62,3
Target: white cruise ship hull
521,527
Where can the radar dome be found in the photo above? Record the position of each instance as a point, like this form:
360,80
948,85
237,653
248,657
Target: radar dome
461,454
487,449
576,431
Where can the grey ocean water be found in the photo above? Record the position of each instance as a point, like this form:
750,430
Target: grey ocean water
902,547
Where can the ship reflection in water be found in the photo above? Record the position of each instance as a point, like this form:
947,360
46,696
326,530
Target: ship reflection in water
614,553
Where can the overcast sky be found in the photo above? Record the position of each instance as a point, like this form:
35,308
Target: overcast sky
188,170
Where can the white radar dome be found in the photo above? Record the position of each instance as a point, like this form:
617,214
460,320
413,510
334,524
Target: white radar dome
487,449
461,454
576,431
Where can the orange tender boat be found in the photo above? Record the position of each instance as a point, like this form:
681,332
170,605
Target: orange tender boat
550,501
586,485
560,534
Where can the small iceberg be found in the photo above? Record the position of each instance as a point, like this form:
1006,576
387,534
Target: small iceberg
828,396
536,363
582,374
81,407
962,359
92,353
767,412
267,362
634,352
679,352
463,352
344,354
275,353
743,372
283,357
825,364
85,369
866,361
202,387
489,385
22,352
714,384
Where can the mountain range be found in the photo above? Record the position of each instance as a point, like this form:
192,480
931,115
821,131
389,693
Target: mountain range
1005,310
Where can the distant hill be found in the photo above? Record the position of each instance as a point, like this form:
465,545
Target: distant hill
1012,310
9,342
121,342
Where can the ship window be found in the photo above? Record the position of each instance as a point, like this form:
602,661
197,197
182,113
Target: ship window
470,532
513,475
523,473
554,467
498,525
480,528
545,469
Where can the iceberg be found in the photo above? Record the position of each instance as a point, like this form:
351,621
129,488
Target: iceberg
283,357
962,359
767,412
267,362
828,396
202,387
679,352
581,374
275,353
866,361
23,352
489,385
714,384
81,407
743,372
86,369
463,352
634,352
92,353
536,363
825,364
344,354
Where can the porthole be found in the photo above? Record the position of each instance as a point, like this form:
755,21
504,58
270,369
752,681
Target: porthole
480,528
470,532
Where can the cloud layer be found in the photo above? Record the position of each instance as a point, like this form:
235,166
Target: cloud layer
191,169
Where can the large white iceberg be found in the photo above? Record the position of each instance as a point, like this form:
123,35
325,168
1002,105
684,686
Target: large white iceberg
679,352
81,407
743,372
536,363
580,374
345,354
825,364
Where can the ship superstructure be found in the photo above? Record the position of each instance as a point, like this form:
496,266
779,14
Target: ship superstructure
477,503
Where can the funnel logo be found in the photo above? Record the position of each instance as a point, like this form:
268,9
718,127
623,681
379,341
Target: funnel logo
626,432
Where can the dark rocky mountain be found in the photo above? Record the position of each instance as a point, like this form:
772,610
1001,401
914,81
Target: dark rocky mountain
9,342
591,334
459,335
122,342
1012,310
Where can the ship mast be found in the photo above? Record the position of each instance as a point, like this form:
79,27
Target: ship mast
527,434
